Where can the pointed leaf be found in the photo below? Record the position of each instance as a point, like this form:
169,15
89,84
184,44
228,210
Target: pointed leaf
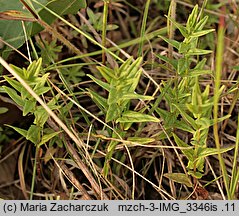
198,52
172,62
180,27
200,25
174,43
179,178
47,137
201,33
19,130
15,84
29,106
132,116
188,118
196,72
183,126
187,152
192,18
104,85
41,116
212,151
131,96
99,100
131,70
141,140
107,73
13,94
113,112
33,134
197,175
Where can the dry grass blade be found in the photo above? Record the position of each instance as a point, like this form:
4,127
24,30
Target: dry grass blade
21,173
75,182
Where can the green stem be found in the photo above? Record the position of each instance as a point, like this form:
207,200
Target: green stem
104,28
34,173
235,171
143,27
219,63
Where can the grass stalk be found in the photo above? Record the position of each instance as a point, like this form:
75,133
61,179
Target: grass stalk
104,28
218,71
34,173
235,170
143,28
81,32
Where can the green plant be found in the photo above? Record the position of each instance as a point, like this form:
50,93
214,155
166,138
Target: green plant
120,85
35,133
185,98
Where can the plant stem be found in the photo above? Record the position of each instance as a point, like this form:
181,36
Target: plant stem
219,63
34,173
104,28
143,27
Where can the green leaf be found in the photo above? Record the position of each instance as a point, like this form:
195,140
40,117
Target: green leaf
182,66
41,90
111,27
180,27
199,110
201,33
236,67
15,84
206,123
104,85
34,68
205,94
99,100
187,152
114,95
25,94
41,116
113,112
107,73
131,96
197,51
196,72
179,178
188,118
141,140
33,134
130,70
212,151
172,62
174,43
197,175
47,137
192,19
19,130
29,106
183,126
200,25
132,116
126,125
91,15
13,94
3,110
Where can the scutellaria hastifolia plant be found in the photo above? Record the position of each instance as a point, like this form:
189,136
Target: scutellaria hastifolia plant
120,83
187,101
